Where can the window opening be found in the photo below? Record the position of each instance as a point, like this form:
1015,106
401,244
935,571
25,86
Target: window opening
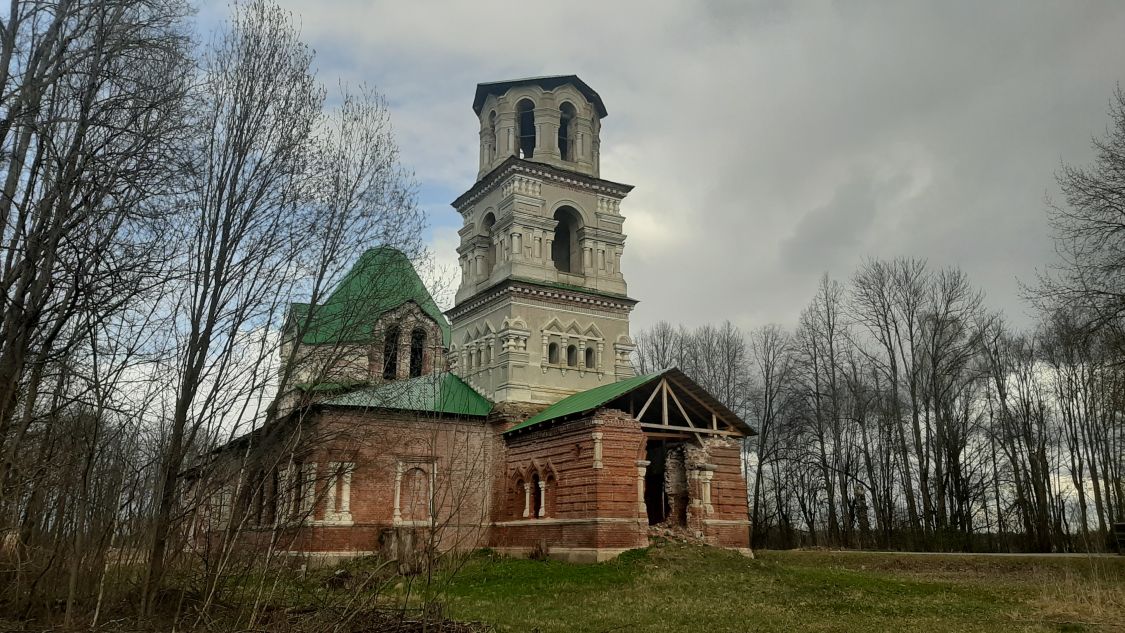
553,353
390,354
417,493
536,496
564,248
566,141
525,111
417,351
572,356
589,358
490,253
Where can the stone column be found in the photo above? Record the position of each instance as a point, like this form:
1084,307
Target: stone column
398,493
542,498
527,500
642,468
484,158
706,476
597,435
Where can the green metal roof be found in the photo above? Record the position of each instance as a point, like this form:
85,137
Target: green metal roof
588,400
323,387
381,280
434,393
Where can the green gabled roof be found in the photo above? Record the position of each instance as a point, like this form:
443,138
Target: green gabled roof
588,400
435,393
381,280
324,387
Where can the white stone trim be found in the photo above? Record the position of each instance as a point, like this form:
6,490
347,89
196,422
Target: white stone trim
402,466
339,484
550,521
308,488
570,554
642,468
726,522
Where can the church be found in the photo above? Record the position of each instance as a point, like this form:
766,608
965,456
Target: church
514,420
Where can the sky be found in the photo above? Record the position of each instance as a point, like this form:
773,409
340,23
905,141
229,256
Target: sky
769,142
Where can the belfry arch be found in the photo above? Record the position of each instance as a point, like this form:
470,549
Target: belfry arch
566,251
490,254
567,116
525,128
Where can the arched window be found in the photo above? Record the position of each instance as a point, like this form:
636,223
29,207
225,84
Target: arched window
518,506
491,136
564,249
589,358
490,255
390,354
536,497
417,351
525,113
487,353
572,356
553,353
415,495
566,131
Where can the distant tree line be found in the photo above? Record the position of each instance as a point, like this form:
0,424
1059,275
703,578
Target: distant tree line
899,412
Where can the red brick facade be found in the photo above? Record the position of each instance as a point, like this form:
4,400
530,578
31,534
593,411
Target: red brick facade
575,489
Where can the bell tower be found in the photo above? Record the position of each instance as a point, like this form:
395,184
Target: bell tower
542,310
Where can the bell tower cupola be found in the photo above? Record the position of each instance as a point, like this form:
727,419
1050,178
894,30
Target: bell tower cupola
542,309
551,120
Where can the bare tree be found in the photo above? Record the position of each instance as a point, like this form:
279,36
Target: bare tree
281,197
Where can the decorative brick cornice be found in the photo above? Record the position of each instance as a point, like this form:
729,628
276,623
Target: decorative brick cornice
530,289
541,171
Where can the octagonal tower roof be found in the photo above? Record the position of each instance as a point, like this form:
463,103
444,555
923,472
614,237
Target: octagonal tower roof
547,83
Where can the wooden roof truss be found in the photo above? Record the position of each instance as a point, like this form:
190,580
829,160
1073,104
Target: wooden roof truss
672,412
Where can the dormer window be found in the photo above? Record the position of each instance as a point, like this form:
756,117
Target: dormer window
566,131
525,116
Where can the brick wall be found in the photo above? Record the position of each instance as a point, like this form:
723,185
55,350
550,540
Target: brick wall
589,502
592,498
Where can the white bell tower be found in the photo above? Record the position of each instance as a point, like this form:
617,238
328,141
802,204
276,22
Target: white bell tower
542,310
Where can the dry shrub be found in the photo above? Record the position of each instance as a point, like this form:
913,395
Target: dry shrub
541,551
1089,600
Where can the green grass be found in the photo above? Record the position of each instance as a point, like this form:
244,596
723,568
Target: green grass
673,587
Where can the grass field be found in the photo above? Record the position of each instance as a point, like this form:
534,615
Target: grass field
673,587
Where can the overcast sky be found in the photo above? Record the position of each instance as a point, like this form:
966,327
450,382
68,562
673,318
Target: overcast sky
768,141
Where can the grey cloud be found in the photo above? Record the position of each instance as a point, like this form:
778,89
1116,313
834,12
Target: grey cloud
770,141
